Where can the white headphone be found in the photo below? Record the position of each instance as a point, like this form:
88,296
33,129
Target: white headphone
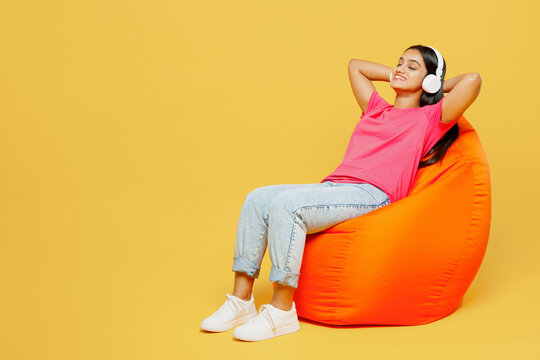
432,82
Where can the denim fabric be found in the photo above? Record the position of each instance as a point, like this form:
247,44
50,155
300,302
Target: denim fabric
280,216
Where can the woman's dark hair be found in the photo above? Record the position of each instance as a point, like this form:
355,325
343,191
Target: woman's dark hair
437,152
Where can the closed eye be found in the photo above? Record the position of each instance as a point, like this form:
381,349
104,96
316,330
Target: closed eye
409,67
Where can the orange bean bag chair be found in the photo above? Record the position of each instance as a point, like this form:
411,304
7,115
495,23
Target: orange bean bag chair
410,262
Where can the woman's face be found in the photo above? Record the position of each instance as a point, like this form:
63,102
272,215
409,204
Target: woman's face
411,67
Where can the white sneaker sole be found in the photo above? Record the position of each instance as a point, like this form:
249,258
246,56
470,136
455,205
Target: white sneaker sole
229,325
269,334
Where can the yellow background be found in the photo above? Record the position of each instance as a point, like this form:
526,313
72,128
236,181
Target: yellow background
131,131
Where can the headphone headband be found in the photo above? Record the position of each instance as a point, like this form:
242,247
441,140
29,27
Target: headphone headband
438,72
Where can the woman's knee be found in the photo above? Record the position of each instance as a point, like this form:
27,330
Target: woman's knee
266,193
285,201
259,198
257,191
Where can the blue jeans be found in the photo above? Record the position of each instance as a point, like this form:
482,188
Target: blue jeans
282,215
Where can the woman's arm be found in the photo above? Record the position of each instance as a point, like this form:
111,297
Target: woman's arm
449,84
379,72
372,70
465,89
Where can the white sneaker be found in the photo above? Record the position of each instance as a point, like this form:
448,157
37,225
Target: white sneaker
234,311
269,323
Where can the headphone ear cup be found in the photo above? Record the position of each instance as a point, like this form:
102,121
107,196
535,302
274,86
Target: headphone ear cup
431,83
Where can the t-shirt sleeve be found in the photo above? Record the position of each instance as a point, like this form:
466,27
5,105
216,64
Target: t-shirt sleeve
375,104
436,128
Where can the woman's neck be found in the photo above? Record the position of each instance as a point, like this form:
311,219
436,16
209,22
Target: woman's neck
407,100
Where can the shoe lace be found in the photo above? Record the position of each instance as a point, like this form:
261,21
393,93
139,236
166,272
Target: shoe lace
265,315
230,303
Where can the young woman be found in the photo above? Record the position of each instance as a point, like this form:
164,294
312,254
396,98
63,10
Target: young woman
385,150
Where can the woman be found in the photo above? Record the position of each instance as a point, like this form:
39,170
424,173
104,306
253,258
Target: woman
384,153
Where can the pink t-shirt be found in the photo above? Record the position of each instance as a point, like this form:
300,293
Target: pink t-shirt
387,145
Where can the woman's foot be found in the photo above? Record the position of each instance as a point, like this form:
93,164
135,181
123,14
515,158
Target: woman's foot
270,322
233,312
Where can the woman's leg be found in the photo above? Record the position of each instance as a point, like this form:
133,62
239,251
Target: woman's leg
251,235
243,285
297,212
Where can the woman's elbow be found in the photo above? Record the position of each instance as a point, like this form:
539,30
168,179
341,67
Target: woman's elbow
476,77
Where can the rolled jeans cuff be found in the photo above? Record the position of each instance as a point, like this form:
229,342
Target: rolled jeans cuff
284,277
245,265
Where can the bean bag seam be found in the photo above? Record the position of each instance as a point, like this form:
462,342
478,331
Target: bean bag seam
473,168
338,294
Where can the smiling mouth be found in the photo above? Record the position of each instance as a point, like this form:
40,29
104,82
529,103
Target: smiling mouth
399,77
